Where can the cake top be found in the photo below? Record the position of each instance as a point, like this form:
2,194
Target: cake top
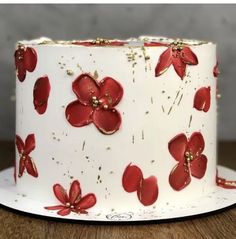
139,42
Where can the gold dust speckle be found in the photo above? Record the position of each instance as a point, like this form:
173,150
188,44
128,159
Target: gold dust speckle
100,168
87,157
69,72
111,172
147,112
152,161
95,75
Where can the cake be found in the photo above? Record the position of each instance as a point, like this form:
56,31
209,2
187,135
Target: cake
115,125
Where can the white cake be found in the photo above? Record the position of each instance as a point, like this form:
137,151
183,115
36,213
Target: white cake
140,133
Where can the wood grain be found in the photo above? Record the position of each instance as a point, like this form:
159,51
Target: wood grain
220,225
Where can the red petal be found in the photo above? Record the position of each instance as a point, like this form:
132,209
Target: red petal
107,121
75,192
29,144
216,71
198,166
131,179
41,93
179,66
21,167
148,191
60,193
20,65
79,115
202,99
155,44
19,144
64,212
30,59
83,43
164,62
179,177
177,147
111,90
188,57
196,144
86,202
30,167
85,87
58,207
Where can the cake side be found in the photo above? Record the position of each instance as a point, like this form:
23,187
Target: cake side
154,108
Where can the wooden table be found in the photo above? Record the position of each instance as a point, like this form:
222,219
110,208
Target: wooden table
220,225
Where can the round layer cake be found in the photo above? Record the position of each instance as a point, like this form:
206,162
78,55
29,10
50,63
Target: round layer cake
115,125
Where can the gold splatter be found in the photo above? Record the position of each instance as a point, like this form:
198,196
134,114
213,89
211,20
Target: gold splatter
78,65
100,168
147,112
190,121
142,135
163,109
152,161
69,72
170,109
108,148
95,75
151,100
133,139
180,99
83,146
111,172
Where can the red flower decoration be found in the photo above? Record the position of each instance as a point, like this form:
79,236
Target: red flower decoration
147,189
216,71
25,60
95,103
24,149
74,202
222,182
202,99
41,93
191,161
177,54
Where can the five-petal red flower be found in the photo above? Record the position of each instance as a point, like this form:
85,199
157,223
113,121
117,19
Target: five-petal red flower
146,188
41,93
202,99
191,161
25,60
95,103
73,202
24,149
179,55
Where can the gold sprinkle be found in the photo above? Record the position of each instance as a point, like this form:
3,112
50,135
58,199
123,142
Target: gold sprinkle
83,145
170,110
100,168
95,75
133,139
69,72
163,109
190,121
180,99
108,148
142,135
151,100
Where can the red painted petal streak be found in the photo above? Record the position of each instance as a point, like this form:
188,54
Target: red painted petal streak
164,62
188,57
86,202
202,99
107,121
75,192
196,144
111,90
179,177
132,177
29,144
148,191
31,167
198,166
41,94
177,147
30,59
79,115
19,144
60,193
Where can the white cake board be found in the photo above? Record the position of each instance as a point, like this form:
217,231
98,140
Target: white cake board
219,198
